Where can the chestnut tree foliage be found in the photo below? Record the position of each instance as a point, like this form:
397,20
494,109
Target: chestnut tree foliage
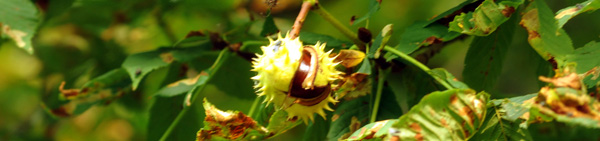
197,84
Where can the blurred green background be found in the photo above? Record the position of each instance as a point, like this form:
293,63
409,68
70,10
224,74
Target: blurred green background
81,39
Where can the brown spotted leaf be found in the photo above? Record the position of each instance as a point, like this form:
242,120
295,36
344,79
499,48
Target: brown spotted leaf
486,18
447,115
545,36
565,14
353,86
379,129
19,22
101,90
229,125
564,101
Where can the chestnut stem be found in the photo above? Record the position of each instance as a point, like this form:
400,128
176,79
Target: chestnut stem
300,19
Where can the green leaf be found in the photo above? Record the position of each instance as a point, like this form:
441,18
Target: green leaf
55,8
586,59
484,60
374,6
376,130
269,27
318,129
380,41
314,38
486,17
424,34
349,117
545,37
365,67
433,31
182,86
565,14
279,123
162,113
503,119
448,77
19,22
102,89
496,128
139,65
448,115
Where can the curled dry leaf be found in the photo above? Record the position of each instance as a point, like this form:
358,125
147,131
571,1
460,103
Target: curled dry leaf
228,125
349,58
571,81
565,101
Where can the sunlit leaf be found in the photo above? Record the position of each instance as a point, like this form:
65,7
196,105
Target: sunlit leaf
19,22
484,60
486,18
449,115
376,130
565,14
545,37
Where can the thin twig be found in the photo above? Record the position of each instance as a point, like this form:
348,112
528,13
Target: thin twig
300,19
380,81
419,65
338,25
212,70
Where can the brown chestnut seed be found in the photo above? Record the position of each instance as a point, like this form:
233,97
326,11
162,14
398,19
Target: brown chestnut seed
302,83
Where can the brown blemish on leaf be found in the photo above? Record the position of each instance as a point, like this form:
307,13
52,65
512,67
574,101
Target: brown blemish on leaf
67,93
466,111
235,123
167,57
443,122
335,117
571,81
352,19
354,125
508,11
569,11
16,35
530,22
189,81
194,33
354,86
431,40
417,128
349,58
60,112
453,99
